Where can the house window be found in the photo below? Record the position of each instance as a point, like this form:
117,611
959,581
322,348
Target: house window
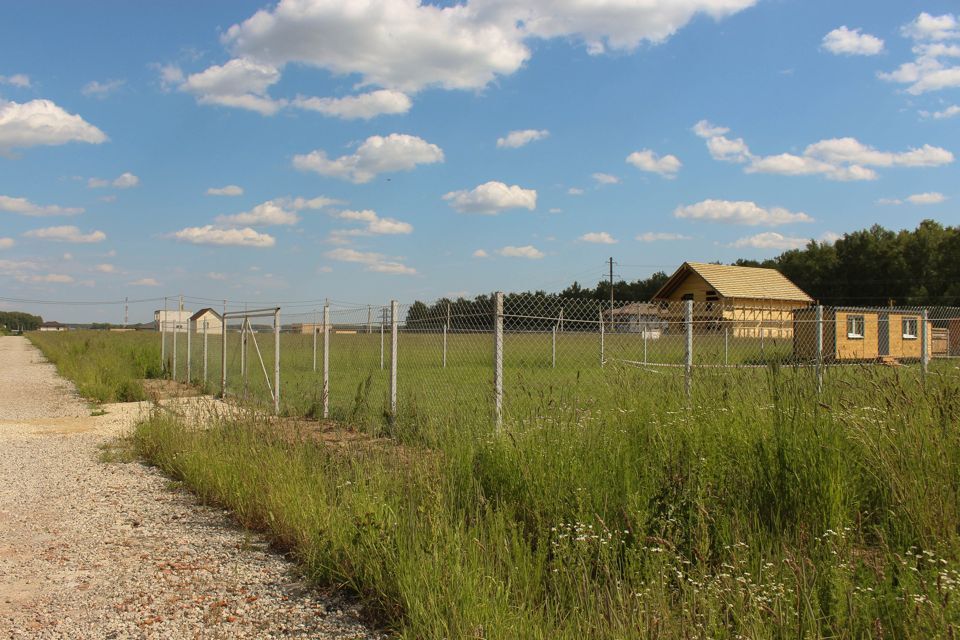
910,328
712,296
855,327
687,296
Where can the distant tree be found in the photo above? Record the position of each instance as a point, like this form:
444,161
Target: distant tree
12,320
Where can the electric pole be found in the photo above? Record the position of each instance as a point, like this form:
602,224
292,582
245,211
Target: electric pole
126,310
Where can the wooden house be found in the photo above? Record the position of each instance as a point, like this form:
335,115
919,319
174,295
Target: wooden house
743,302
857,334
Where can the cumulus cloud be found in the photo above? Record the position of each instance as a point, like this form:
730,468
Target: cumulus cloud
372,224
480,253
49,278
229,190
926,198
575,191
214,275
834,158
932,68
950,112
740,212
605,178
520,138
20,80
375,262
360,107
66,233
597,237
210,235
770,240
651,236
527,251
144,282
646,160
852,42
97,89
105,268
241,83
41,122
23,207
492,198
271,212
377,154
6,243
125,180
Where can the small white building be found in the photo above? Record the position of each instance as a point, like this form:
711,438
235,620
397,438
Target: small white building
53,326
206,320
172,320
636,317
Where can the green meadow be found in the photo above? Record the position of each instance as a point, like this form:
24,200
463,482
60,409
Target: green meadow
609,506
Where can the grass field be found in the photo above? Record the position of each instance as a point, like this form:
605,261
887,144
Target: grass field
608,507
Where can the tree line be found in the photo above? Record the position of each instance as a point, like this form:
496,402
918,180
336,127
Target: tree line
13,320
870,267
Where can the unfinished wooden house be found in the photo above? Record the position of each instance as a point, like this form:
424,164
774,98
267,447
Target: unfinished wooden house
855,334
743,302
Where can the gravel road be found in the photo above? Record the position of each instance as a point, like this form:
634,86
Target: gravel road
108,550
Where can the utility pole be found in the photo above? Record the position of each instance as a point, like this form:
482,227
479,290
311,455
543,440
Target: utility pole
126,310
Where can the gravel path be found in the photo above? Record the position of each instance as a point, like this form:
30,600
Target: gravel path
107,550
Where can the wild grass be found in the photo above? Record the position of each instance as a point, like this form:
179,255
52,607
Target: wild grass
609,507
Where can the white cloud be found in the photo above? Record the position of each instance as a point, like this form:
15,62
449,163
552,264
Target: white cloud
6,243
492,198
213,275
926,198
97,183
109,198
829,237
41,122
375,262
930,69
374,224
105,268
647,160
49,278
852,42
24,207
271,212
377,154
740,212
527,251
928,27
171,76
144,282
364,106
98,89
209,234
20,80
949,112
597,237
480,253
229,190
575,191
651,236
125,180
835,158
770,240
66,234
889,201
520,138
605,178
555,210
241,83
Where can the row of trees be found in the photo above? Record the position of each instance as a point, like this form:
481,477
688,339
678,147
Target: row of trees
13,320
871,267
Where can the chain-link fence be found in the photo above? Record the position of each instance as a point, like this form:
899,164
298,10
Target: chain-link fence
508,355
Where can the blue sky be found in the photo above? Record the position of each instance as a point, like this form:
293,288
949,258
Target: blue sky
361,142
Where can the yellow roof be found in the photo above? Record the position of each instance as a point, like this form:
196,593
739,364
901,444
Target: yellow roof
738,282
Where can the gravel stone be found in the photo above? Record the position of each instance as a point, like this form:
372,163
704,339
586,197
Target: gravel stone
107,550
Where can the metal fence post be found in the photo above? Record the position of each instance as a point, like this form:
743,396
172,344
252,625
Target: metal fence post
223,352
393,358
498,359
819,348
314,332
688,366
163,338
924,343
554,347
726,345
326,360
189,350
444,346
600,312
276,362
644,331
204,352
243,352
175,323
383,323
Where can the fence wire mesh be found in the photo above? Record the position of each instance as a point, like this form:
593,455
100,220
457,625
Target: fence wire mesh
337,360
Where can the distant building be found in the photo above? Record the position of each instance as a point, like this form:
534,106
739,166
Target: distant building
206,320
635,317
172,320
53,326
747,302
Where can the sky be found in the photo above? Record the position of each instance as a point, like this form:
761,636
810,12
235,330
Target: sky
393,149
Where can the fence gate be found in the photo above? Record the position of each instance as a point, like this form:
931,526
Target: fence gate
248,334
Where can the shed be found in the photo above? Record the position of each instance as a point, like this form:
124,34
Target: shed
53,326
635,317
746,302
206,319
858,334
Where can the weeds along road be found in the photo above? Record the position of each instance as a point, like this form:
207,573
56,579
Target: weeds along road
92,549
